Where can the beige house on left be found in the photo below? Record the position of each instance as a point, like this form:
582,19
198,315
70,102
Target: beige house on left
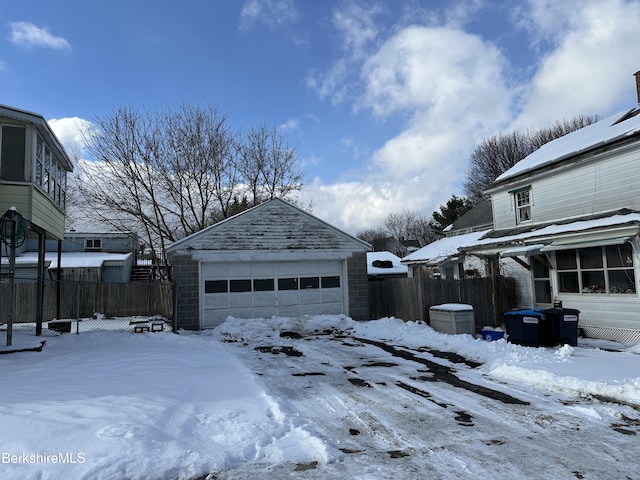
33,171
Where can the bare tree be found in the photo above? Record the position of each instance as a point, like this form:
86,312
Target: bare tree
379,239
400,231
267,164
498,153
168,174
409,225
423,230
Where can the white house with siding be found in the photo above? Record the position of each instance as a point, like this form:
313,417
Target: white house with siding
567,226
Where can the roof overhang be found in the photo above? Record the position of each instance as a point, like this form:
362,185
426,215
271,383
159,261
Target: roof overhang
561,244
523,250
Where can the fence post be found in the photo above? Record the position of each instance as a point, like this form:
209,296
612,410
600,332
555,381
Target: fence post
174,298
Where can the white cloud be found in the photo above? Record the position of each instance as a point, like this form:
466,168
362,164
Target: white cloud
331,84
270,13
589,70
434,69
69,131
293,124
356,26
26,34
450,88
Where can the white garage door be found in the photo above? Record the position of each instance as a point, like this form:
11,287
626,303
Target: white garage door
266,289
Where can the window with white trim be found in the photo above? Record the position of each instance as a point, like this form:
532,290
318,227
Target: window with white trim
522,200
596,270
93,244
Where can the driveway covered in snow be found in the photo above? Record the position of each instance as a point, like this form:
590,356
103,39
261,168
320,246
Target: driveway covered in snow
392,409
319,397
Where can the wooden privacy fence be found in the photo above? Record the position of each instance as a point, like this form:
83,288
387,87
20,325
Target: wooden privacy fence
83,299
411,298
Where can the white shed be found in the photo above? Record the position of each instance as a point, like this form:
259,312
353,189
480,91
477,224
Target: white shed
272,260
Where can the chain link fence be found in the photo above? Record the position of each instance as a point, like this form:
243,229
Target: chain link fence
69,306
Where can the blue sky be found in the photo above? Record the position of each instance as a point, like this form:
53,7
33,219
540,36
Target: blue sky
385,100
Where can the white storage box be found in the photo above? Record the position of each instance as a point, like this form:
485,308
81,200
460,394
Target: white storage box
452,318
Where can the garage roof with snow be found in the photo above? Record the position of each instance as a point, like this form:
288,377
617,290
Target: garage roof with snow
275,225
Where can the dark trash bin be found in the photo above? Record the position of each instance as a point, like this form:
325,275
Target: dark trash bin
564,325
527,327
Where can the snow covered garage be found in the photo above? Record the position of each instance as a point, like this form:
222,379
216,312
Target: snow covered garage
271,260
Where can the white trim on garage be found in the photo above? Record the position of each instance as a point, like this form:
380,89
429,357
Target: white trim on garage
266,289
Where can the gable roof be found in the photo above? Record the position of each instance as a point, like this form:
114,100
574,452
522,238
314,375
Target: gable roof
438,251
272,225
611,129
479,217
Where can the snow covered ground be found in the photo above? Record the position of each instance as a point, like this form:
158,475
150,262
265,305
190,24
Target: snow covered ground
316,397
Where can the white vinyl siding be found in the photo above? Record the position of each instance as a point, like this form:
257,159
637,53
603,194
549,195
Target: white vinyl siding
589,187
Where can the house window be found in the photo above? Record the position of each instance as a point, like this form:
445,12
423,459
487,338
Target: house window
47,169
50,176
12,153
541,280
523,205
39,159
596,270
93,244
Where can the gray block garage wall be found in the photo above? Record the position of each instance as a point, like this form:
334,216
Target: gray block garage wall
358,286
187,297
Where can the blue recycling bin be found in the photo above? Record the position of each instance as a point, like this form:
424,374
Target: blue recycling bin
527,327
563,323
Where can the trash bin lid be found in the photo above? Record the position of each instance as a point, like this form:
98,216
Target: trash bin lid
560,311
527,312
452,307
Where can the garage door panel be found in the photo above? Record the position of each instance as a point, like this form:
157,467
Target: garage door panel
214,270
264,312
289,311
331,267
310,296
264,299
240,300
263,269
286,269
214,318
331,295
288,298
240,270
332,308
217,300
